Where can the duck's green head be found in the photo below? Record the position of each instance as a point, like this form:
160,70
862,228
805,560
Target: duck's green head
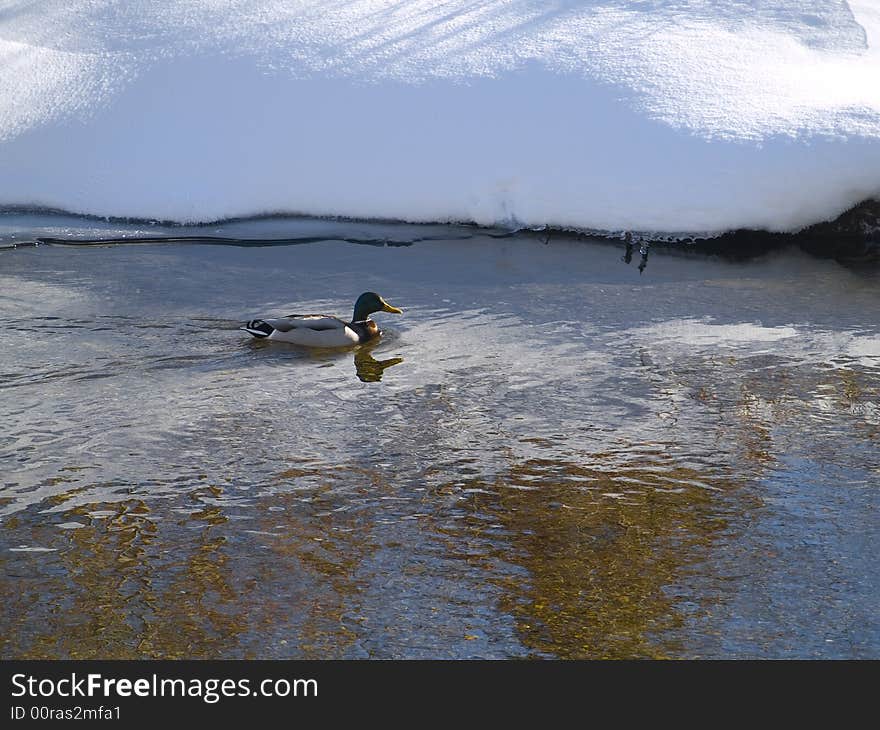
370,302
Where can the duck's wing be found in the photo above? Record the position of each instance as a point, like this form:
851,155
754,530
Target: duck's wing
313,322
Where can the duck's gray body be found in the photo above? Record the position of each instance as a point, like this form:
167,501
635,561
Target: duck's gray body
313,330
322,330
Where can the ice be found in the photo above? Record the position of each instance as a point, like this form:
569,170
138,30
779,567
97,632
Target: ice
651,115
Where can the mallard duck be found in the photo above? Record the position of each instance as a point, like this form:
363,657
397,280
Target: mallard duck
324,330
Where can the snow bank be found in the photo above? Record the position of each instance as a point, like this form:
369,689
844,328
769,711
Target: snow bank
678,116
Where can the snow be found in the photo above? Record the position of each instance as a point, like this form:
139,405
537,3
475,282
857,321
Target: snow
651,115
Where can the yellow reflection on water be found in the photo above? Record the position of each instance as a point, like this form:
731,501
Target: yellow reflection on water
602,549
323,549
604,544
120,592
104,571
126,586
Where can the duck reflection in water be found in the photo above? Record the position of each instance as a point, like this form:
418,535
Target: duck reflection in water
368,368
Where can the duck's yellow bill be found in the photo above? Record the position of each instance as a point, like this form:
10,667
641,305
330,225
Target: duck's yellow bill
386,307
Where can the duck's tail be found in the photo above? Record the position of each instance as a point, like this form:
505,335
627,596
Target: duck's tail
258,328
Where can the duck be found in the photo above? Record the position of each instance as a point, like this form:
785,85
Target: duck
324,330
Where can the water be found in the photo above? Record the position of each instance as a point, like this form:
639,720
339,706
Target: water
548,454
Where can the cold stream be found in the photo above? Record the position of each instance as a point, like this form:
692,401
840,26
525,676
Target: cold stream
549,454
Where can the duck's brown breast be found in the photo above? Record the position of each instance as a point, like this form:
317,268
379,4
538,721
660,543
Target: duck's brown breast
366,330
